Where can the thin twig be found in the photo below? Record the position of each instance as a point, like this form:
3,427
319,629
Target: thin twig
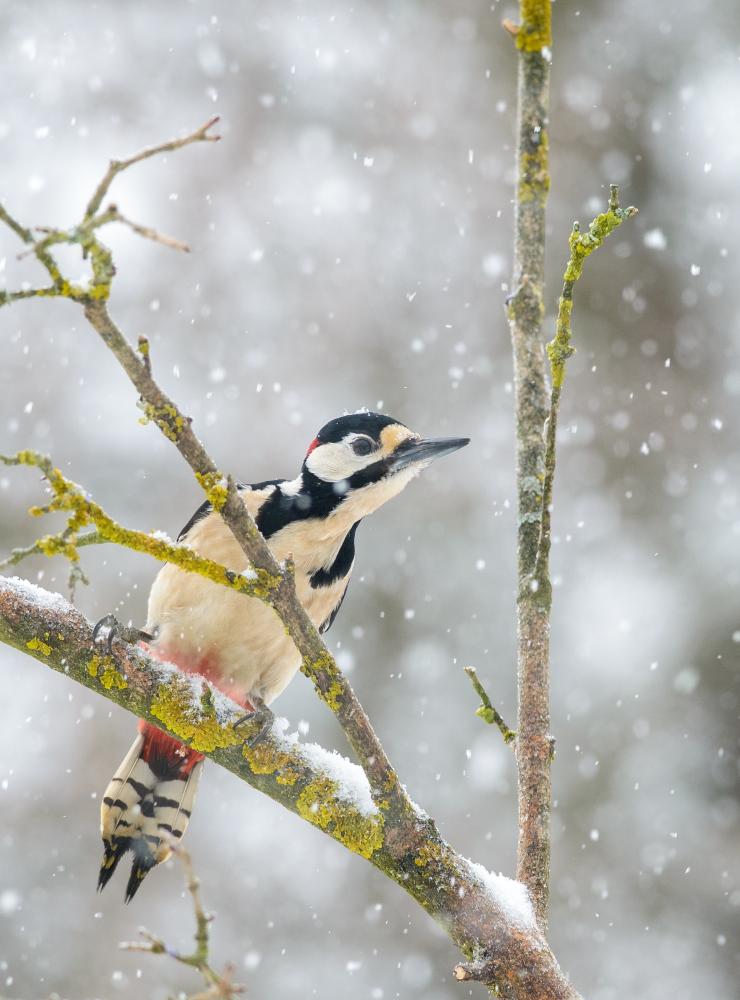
116,166
43,255
36,549
27,293
219,985
151,234
486,710
560,349
112,214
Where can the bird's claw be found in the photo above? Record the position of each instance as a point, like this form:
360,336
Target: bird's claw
109,628
260,713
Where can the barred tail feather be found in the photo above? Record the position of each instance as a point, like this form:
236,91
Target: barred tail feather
150,797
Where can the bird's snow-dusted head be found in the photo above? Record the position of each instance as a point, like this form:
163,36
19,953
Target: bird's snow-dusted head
369,457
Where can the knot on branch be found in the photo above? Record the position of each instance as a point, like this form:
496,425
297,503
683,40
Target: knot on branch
525,305
481,970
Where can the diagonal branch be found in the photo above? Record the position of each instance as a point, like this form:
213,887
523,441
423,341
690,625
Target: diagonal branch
488,916
486,710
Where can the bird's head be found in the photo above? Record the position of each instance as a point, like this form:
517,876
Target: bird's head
367,458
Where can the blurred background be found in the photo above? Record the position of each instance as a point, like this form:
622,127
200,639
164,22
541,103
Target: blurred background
351,243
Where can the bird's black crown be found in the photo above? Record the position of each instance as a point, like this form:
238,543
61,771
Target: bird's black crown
363,422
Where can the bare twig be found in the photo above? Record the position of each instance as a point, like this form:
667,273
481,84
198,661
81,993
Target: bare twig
560,349
486,710
44,257
219,986
116,166
112,214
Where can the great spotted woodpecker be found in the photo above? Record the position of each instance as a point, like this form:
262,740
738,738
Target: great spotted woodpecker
353,466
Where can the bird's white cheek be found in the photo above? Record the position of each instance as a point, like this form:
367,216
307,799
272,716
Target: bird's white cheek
333,462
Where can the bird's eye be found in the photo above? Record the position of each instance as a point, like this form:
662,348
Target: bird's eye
362,446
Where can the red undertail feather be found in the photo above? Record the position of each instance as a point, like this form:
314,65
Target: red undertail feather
151,795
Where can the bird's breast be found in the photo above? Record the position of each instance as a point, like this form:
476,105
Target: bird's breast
240,638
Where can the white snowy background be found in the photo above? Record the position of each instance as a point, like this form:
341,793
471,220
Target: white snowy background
351,246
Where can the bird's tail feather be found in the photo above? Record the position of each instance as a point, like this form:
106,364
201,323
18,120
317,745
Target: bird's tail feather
148,801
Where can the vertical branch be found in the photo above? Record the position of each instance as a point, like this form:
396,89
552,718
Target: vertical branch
525,311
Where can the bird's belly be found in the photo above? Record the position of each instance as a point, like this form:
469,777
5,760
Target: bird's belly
237,641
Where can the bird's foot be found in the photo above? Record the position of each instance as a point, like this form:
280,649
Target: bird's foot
259,714
109,628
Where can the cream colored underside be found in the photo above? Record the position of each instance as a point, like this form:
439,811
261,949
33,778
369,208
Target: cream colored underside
240,637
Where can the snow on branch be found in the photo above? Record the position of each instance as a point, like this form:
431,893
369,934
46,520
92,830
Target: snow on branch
484,914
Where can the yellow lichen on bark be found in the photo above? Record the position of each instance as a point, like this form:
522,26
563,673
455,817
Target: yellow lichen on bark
195,725
318,804
535,29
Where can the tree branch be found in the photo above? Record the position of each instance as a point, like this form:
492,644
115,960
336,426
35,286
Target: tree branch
525,311
489,917
83,511
486,710
559,350
37,548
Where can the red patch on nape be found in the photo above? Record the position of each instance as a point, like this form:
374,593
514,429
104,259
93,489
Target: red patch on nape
314,444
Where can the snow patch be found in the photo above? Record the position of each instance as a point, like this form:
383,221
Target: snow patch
43,599
352,784
162,536
509,895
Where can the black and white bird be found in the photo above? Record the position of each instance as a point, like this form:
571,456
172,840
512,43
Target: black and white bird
352,467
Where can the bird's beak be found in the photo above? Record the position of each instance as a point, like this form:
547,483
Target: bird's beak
423,451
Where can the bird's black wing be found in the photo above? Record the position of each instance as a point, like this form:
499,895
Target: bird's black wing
326,625
340,569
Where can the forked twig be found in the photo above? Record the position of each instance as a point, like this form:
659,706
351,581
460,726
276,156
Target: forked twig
219,986
116,166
